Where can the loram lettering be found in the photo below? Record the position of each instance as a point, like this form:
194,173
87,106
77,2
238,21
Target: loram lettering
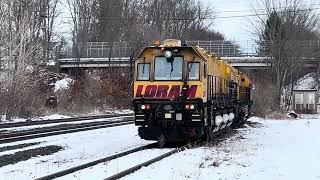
165,91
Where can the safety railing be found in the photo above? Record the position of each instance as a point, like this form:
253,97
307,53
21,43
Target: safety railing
220,48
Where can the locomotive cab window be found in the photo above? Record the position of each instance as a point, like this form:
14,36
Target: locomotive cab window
143,72
194,71
168,68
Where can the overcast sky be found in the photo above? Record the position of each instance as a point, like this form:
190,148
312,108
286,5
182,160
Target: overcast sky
239,29
235,28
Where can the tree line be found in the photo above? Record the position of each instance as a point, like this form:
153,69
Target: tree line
28,39
140,21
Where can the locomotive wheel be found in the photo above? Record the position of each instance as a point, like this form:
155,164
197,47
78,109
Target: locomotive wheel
161,141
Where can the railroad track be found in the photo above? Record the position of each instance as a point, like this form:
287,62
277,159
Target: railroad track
112,157
75,119
146,163
153,160
128,171
51,131
116,156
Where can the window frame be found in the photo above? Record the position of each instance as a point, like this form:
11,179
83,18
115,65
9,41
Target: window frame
188,77
154,70
137,77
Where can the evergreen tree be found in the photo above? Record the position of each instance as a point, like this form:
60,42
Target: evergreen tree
273,34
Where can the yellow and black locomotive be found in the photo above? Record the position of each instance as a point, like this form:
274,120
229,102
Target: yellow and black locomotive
182,92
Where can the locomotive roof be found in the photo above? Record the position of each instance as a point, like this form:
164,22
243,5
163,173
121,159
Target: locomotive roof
198,50
204,55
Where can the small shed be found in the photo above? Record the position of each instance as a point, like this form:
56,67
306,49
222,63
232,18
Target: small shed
305,101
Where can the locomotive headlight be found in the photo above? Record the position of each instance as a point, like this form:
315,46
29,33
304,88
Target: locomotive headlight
168,54
145,106
191,106
148,106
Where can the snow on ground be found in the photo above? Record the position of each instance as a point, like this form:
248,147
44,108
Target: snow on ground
53,116
124,111
80,147
280,149
48,117
59,116
273,149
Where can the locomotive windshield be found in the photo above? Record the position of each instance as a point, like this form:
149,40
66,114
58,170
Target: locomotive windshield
168,69
143,71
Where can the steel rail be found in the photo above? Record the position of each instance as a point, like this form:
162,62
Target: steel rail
147,163
64,131
61,127
83,118
93,163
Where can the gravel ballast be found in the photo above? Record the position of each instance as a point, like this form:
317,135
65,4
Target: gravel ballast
27,154
19,146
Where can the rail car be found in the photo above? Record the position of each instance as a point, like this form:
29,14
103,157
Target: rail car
182,92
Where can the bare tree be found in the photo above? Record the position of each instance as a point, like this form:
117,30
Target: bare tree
117,20
48,16
173,20
83,14
281,32
24,43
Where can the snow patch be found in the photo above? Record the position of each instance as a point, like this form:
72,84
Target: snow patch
121,111
54,116
48,117
306,82
51,63
62,84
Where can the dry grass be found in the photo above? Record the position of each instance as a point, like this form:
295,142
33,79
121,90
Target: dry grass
96,91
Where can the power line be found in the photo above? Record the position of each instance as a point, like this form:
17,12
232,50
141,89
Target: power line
207,18
248,10
262,14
